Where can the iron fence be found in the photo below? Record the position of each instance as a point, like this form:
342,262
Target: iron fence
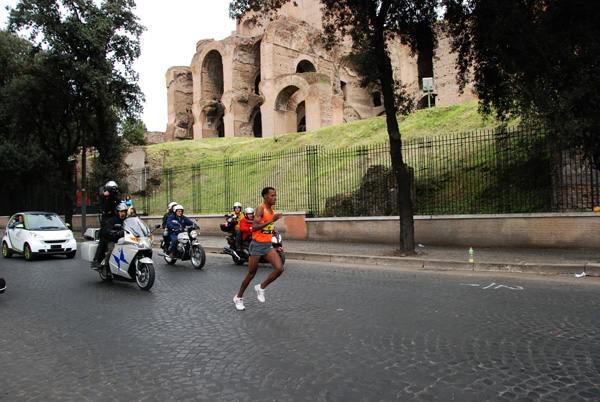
509,171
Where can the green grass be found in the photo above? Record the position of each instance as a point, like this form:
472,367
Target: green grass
423,123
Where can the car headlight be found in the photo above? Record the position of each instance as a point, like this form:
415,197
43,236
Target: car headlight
36,235
69,235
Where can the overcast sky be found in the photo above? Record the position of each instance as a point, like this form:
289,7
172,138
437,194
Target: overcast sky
173,28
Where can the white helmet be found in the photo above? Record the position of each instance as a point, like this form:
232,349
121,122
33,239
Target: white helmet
177,208
248,211
121,207
171,205
111,184
237,204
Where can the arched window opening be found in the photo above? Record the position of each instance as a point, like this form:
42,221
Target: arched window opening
343,87
377,99
256,85
301,117
305,66
257,125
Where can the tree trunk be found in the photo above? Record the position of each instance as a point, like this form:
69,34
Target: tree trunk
66,188
407,228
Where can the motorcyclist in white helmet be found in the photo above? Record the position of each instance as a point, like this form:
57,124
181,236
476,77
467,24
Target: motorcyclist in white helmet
177,223
246,224
109,235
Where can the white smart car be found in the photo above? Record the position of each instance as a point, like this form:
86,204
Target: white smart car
37,233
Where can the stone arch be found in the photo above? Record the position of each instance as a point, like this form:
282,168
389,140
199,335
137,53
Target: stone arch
279,114
282,102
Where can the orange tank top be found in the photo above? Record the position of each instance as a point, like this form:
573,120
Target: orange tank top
264,235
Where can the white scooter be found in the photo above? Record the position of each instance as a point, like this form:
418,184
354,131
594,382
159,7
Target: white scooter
131,258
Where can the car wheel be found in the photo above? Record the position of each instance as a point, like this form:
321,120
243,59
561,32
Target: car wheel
71,254
27,252
6,251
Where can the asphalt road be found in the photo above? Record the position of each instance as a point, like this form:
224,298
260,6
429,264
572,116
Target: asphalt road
326,333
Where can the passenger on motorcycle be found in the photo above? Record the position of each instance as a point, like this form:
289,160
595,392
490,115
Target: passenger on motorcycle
109,200
176,224
164,222
109,235
246,225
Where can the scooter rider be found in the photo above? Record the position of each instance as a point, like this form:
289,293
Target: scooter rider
176,224
109,235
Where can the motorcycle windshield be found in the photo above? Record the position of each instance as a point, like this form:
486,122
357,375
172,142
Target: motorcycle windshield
136,227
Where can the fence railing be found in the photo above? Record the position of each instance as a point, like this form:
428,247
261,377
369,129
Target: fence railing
510,171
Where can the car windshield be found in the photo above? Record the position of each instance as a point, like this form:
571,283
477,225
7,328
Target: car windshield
137,228
43,221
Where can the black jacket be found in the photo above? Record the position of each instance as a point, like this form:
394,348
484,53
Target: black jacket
108,205
108,230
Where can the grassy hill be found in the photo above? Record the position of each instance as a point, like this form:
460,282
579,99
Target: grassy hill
422,123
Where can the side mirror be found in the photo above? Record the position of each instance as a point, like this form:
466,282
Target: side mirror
70,227
157,226
118,226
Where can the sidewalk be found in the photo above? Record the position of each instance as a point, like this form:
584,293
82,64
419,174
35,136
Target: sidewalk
542,261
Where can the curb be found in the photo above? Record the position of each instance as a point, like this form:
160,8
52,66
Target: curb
407,262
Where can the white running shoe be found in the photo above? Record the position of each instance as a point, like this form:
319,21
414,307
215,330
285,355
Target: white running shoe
239,303
260,293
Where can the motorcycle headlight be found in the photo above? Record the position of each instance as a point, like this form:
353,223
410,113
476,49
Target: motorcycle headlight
145,243
193,234
276,238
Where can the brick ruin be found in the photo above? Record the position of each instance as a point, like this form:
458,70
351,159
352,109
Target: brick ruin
276,77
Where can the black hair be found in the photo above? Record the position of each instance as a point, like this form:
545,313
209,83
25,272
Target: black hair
266,190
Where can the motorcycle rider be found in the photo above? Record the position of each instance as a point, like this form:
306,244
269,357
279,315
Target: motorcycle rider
246,224
109,235
170,212
176,224
237,233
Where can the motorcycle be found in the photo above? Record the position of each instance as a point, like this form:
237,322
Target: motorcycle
244,255
188,248
130,259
